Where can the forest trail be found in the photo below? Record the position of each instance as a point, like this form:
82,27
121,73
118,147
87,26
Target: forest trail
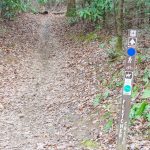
51,81
39,102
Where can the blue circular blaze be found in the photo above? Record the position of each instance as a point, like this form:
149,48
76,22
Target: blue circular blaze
131,52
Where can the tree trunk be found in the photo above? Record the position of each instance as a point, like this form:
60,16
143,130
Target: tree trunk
119,43
71,8
104,18
115,16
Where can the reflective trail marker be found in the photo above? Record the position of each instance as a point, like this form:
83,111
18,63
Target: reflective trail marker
127,90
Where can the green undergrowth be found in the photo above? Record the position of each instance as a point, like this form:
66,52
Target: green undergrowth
90,144
141,94
110,46
81,37
140,109
72,20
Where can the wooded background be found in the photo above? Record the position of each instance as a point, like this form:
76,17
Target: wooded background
115,15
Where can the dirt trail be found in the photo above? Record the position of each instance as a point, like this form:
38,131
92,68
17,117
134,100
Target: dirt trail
47,85
35,113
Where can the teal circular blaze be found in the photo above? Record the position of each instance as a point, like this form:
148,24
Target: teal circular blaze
127,88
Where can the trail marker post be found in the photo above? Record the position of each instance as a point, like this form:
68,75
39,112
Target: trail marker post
127,90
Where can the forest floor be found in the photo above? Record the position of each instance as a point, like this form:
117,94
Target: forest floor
48,80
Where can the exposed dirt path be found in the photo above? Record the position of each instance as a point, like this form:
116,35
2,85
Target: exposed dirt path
39,97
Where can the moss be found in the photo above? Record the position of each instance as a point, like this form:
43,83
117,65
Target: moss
91,37
90,144
119,44
84,38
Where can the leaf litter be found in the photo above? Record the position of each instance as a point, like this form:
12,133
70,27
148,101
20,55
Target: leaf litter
49,80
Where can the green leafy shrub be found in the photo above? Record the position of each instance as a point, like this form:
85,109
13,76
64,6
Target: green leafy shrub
87,14
9,8
140,110
96,10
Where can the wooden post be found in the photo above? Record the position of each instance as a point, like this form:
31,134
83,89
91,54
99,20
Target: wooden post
126,92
